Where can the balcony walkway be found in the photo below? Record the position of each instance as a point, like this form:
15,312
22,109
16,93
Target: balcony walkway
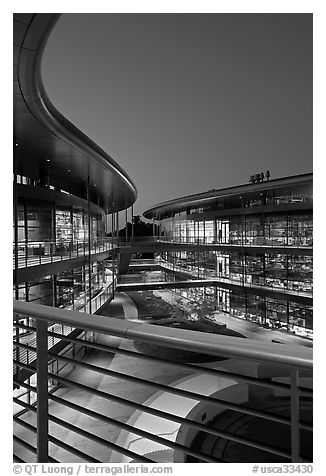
122,307
219,282
157,244
78,252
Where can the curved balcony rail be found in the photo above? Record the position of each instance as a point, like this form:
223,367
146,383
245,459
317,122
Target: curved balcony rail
238,280
267,242
34,253
289,374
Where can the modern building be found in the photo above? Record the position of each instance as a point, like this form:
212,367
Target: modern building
66,192
251,245
66,189
254,241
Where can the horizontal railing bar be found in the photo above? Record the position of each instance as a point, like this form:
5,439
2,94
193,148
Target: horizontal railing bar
31,448
162,414
91,436
181,365
26,445
212,344
135,430
189,367
176,391
182,393
60,443
158,413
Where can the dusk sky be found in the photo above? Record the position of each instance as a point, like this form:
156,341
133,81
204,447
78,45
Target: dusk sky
187,102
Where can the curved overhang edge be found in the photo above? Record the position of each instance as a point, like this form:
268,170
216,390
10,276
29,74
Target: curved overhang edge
182,203
34,95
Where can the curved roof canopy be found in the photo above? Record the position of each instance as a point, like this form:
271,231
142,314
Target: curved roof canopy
247,191
46,142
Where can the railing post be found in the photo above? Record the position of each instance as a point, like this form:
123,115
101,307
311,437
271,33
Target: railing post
42,391
295,415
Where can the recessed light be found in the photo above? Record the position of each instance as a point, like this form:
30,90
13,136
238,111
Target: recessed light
48,160
16,144
69,170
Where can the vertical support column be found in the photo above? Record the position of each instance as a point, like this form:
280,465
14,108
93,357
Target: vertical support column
132,223
242,222
197,256
15,223
42,391
287,271
246,305
26,231
89,245
73,287
55,291
126,224
54,228
117,222
287,316
71,244
16,254
244,266
112,258
26,291
264,312
295,414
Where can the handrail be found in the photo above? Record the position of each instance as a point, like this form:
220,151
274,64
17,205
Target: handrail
212,344
265,242
230,280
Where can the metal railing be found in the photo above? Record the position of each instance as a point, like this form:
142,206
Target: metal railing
240,280
27,353
284,366
42,252
232,241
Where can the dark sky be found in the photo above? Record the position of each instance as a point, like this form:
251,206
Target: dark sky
187,102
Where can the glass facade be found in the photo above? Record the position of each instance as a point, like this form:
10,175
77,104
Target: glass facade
262,241
274,229
49,232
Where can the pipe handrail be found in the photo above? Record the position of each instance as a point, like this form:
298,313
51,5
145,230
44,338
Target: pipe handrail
292,356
